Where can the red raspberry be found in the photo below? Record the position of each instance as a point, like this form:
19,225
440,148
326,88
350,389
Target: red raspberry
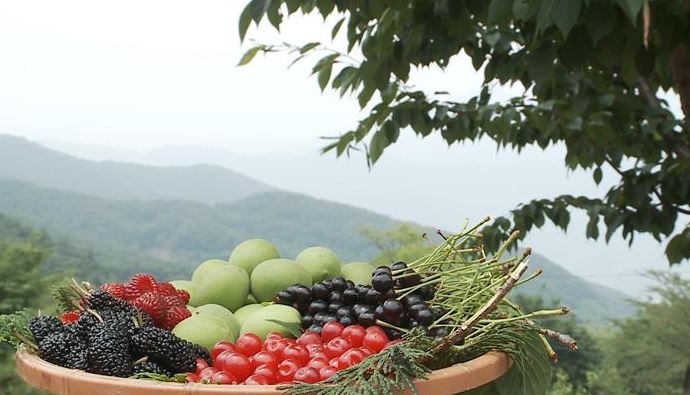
69,317
174,315
144,282
173,300
117,290
152,304
166,289
184,296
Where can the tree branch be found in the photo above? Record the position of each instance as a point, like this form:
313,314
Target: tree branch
655,191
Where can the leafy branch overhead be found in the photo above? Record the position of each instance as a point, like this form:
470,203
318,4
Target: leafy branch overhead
591,73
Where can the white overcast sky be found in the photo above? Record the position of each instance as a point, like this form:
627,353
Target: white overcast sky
141,75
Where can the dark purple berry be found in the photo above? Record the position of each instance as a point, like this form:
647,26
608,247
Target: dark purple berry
320,291
317,306
307,320
392,309
425,317
367,319
381,270
350,296
338,284
398,266
382,282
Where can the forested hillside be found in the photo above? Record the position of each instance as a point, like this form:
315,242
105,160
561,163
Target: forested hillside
183,233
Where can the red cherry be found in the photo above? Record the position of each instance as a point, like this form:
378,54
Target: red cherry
318,363
220,347
256,379
308,338
354,334
365,350
375,328
287,369
193,378
375,341
306,375
276,346
331,330
223,378
206,374
320,355
296,352
337,346
274,335
201,364
265,358
267,371
327,372
350,357
248,344
333,363
235,363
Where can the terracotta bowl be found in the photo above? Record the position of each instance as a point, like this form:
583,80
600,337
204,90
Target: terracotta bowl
61,381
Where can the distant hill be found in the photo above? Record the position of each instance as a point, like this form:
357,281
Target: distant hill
590,302
25,161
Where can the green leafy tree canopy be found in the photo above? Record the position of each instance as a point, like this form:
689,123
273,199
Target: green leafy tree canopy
590,69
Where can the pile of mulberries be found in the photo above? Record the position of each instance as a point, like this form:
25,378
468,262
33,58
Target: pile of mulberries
111,337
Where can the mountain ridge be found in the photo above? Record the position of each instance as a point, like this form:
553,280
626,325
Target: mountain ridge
24,160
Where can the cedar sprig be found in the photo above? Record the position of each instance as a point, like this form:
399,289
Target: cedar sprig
14,330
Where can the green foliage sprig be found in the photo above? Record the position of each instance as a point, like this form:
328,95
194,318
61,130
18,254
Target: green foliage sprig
14,330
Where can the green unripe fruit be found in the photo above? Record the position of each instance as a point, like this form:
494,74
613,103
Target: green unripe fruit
206,266
357,272
320,262
227,286
250,253
275,275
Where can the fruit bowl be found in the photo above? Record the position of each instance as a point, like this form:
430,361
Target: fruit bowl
61,381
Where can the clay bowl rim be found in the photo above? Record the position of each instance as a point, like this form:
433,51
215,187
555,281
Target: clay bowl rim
474,373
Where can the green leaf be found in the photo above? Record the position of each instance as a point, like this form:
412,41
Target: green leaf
544,20
249,55
565,14
325,7
679,247
522,10
378,143
273,14
308,47
391,130
294,329
500,11
631,8
245,20
600,20
336,27
293,5
540,63
597,175
365,95
325,76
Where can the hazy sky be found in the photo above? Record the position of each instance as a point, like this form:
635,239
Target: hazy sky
141,75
